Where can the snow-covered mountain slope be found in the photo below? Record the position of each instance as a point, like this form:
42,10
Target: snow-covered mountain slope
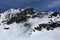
29,24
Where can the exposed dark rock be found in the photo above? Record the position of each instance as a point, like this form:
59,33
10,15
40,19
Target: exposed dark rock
29,11
33,30
38,28
55,14
6,28
13,19
35,16
50,26
26,24
57,17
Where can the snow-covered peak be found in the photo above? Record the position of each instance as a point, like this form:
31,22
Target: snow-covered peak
17,22
29,15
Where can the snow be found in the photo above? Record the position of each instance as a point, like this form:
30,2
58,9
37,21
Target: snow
17,31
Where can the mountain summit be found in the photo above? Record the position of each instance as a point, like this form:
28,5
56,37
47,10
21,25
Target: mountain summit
23,22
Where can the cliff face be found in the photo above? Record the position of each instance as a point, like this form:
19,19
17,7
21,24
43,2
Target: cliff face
17,22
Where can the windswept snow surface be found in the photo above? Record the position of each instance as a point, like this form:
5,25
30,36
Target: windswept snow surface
20,31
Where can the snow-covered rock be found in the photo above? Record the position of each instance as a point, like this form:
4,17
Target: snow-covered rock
29,24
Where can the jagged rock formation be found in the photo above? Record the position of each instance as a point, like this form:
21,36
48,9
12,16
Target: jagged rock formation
49,26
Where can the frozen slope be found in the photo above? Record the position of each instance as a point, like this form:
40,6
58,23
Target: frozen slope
23,24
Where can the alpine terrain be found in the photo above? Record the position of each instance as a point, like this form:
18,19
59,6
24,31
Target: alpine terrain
29,24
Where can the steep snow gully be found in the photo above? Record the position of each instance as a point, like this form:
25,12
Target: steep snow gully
29,24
